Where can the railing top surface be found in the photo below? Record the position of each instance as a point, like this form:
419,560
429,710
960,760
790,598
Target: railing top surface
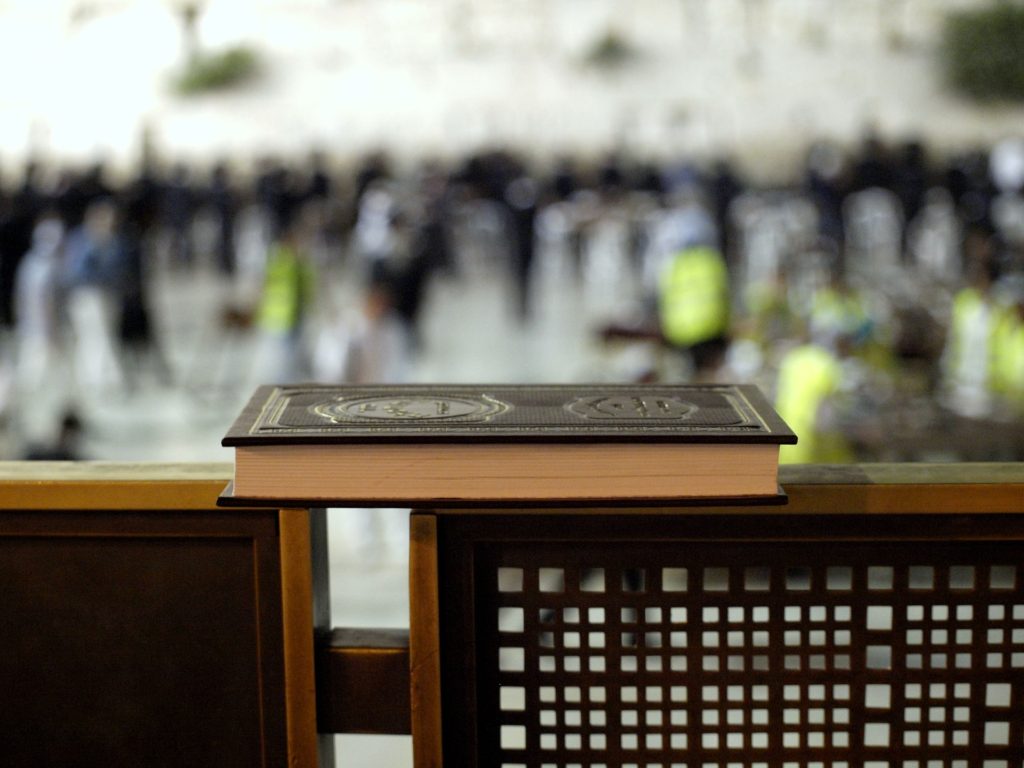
815,489
111,485
902,474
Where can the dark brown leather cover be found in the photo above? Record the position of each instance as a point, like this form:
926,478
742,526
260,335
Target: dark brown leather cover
317,414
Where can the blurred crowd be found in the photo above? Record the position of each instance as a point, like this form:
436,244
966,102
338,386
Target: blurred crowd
878,297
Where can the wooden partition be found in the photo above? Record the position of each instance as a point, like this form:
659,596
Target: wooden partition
876,620
142,626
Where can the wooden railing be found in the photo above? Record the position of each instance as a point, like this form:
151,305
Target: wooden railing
143,625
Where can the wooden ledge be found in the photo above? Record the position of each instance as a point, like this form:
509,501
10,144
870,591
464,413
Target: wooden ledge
84,485
362,681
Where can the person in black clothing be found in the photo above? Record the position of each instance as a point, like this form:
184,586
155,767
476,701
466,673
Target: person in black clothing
521,201
873,168
70,199
179,206
824,184
276,195
409,279
138,341
611,179
724,186
224,201
94,184
910,179
17,220
319,185
565,180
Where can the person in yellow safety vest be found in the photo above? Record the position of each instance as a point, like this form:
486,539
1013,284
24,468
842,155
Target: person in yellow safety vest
288,291
968,359
694,304
810,378
1008,359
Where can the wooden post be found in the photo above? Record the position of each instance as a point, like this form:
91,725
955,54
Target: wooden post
424,642
305,599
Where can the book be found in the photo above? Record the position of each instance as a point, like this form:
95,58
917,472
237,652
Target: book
428,444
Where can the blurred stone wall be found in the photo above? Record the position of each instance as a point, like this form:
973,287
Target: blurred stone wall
755,78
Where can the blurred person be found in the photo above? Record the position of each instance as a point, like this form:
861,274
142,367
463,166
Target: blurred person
18,216
967,360
521,198
94,184
143,198
825,186
693,306
680,176
223,200
685,223
874,227
374,171
289,291
873,166
434,191
277,195
29,196
808,389
179,209
564,182
911,178
611,177
1008,362
724,186
606,254
139,346
368,346
75,192
376,237
94,268
319,185
38,302
1006,165
973,189
933,238
66,446
410,269
70,199
650,180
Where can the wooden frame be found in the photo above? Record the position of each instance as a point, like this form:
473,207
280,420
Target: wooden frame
129,505
833,512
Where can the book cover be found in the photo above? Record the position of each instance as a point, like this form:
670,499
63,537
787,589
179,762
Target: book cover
318,414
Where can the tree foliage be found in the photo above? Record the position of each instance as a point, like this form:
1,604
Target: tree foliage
217,71
983,50
609,51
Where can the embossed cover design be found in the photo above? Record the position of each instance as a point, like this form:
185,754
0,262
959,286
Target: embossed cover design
314,414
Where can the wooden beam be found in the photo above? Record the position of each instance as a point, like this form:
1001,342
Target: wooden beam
363,682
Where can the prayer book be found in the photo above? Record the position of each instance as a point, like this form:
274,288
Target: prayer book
452,444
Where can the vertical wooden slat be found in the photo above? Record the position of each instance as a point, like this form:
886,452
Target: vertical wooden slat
297,610
320,567
424,642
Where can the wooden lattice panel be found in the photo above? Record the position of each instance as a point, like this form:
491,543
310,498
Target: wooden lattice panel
725,655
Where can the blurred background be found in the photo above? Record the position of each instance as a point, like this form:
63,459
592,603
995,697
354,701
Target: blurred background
821,197
197,196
